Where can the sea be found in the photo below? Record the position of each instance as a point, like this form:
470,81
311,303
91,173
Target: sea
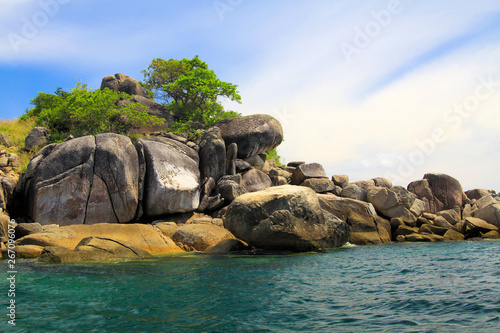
399,287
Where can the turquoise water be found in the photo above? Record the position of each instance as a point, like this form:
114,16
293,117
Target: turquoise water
446,287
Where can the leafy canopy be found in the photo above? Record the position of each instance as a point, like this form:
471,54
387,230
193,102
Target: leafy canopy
189,87
82,112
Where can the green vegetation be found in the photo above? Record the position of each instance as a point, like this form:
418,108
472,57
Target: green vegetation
273,156
189,89
82,112
17,130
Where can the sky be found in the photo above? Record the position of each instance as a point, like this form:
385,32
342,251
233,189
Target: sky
390,88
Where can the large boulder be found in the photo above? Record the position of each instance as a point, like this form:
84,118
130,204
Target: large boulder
286,218
389,203
366,226
146,237
84,181
489,213
212,154
172,177
200,236
438,191
123,83
93,249
253,134
255,180
38,137
307,171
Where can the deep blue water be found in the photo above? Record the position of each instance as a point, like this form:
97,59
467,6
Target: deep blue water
440,287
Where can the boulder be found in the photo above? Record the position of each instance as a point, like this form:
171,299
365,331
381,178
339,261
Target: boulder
212,154
93,249
285,218
123,83
422,238
364,184
172,180
477,194
341,180
228,246
453,235
241,166
200,236
255,180
405,230
146,237
231,157
253,134
480,225
25,252
354,192
490,214
359,215
433,229
257,161
229,190
4,227
453,216
85,180
319,185
389,203
307,171
25,229
438,191
442,222
382,182
38,137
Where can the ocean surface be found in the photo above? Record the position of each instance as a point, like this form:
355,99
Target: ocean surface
440,287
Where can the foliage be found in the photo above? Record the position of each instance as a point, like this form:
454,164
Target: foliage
272,154
189,88
17,130
83,112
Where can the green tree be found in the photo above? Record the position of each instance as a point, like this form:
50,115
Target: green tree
82,111
189,87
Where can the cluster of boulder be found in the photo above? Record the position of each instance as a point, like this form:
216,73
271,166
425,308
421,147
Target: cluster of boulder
104,196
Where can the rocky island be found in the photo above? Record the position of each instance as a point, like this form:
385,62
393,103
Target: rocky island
104,196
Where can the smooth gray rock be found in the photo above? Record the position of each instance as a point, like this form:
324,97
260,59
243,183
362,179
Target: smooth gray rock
212,154
255,180
38,137
253,134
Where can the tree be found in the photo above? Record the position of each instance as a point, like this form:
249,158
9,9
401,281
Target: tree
189,87
82,112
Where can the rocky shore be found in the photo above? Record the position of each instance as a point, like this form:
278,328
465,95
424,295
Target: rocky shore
103,197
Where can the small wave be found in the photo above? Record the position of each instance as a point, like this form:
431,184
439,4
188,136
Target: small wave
347,245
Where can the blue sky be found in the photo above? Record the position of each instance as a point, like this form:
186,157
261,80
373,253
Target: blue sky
367,88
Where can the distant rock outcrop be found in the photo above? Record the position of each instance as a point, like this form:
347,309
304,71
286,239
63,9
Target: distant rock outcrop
123,83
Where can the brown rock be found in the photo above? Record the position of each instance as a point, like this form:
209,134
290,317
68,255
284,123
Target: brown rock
255,180
319,185
200,236
432,229
228,246
307,171
481,225
453,235
341,180
423,238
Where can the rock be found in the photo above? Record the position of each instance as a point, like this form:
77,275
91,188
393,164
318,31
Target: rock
405,230
229,190
7,187
406,197
485,201
146,237
4,161
384,229
280,173
25,252
341,180
429,216
255,180
480,225
433,229
166,228
307,171
212,154
62,181
93,249
278,180
364,184
418,208
319,185
4,227
200,236
453,235
382,182
438,191
355,192
257,161
228,246
241,166
359,215
253,134
491,235
490,214
172,182
295,164
38,137
453,216
231,156
423,238
285,218
442,222
25,229
4,141
477,194
85,180
123,83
